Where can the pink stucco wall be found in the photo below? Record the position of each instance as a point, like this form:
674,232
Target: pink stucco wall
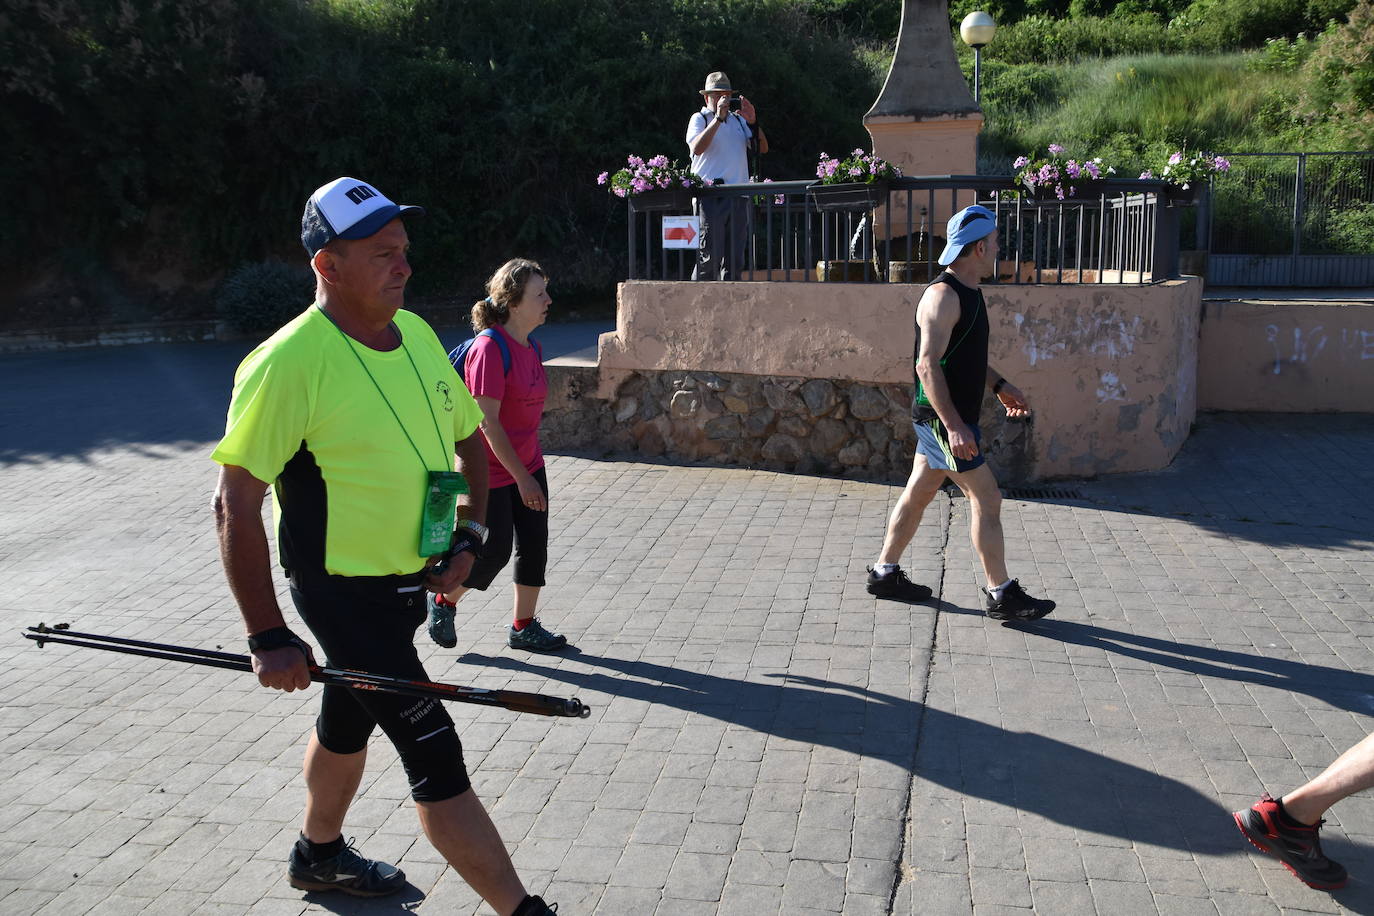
1111,371
1297,356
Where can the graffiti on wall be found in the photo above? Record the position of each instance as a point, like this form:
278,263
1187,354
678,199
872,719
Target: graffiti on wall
1307,344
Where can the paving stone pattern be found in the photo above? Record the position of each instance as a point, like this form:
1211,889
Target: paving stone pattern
765,736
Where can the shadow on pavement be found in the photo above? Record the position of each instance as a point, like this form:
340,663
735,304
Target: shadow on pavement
1050,778
407,900
1343,689
72,403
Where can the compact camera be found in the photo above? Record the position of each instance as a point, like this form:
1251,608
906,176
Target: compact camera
735,102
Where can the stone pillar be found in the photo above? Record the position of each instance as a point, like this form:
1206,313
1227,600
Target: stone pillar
925,120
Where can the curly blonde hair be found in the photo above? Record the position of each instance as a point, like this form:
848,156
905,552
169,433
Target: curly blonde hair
504,289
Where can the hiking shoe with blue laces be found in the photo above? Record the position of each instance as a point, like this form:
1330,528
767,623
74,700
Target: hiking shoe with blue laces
534,638
348,872
441,622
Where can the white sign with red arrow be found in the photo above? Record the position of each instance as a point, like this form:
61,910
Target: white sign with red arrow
681,232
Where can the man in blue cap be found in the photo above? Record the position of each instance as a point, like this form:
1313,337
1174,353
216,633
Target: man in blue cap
952,373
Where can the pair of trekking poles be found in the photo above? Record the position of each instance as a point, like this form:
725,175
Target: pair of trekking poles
515,700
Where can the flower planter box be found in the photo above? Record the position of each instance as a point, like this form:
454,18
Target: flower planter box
1182,197
849,197
1084,189
671,199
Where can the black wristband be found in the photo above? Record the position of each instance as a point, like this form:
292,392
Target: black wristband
720,120
466,539
276,638
997,386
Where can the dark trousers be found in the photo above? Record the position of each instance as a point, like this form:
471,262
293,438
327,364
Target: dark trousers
511,522
724,232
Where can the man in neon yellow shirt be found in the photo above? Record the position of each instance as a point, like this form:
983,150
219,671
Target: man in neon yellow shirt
351,411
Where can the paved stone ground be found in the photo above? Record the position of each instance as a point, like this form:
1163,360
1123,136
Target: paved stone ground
766,738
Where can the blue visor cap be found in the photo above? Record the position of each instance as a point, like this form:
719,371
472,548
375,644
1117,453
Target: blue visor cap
969,225
347,209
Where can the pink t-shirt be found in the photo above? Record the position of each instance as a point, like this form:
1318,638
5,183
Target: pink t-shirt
521,394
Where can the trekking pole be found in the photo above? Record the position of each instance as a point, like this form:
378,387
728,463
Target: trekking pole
515,700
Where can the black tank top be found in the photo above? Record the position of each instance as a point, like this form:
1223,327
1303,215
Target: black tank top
965,359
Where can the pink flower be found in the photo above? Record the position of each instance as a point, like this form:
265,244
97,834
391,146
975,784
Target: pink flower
855,170
686,182
1220,164
1059,191
635,161
659,162
1092,169
1072,168
601,179
1056,149
619,192
858,152
1021,162
665,181
1147,174
1176,158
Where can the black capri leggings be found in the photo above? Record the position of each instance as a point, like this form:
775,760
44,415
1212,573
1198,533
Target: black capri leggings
510,520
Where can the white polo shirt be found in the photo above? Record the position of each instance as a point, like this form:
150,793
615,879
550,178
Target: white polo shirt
727,157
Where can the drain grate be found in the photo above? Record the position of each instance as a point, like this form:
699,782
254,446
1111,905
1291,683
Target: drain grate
1041,493
1024,492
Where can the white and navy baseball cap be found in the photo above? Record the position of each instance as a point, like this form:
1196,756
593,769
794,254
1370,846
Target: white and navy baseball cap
971,224
347,208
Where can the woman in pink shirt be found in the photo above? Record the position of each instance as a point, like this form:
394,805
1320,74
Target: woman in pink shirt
512,403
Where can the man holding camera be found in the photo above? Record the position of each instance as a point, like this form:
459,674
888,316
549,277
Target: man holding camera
719,140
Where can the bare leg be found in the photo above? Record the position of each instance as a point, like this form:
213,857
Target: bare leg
986,525
1351,772
457,593
331,781
464,835
921,488
526,599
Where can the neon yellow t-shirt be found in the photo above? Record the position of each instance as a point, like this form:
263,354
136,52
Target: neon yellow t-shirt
340,441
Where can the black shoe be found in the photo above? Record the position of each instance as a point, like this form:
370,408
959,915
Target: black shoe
535,906
896,585
1015,604
1298,848
347,872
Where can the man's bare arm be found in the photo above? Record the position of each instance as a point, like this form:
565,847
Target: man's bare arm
248,567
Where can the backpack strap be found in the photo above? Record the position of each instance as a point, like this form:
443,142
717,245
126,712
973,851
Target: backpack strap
458,356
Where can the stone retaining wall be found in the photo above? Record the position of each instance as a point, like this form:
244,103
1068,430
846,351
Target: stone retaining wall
827,426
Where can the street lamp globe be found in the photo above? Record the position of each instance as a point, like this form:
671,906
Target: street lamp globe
977,29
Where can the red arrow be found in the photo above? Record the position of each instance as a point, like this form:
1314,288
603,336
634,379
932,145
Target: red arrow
686,233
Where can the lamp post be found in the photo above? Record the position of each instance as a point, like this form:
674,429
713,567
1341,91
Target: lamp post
977,30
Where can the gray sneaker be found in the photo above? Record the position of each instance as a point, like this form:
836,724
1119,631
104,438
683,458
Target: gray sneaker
534,638
441,622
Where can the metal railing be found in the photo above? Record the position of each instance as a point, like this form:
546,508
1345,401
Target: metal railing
1292,219
1126,232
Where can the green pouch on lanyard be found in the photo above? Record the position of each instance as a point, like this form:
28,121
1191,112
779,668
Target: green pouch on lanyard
441,499
920,389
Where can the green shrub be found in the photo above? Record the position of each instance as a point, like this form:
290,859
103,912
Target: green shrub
1339,77
1351,231
264,296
